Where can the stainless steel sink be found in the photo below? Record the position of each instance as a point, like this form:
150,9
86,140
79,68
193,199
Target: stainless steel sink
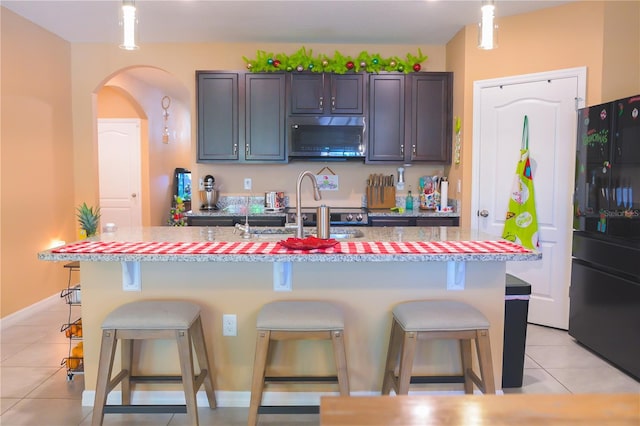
278,233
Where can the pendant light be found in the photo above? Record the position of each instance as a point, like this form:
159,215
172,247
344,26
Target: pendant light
487,29
128,21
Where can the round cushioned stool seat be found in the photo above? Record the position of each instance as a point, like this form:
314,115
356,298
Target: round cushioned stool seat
439,315
151,314
300,316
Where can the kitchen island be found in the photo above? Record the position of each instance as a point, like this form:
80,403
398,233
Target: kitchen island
228,274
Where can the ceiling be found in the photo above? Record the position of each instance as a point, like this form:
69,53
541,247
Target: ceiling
432,22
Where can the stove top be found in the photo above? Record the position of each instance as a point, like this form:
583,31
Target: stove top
339,216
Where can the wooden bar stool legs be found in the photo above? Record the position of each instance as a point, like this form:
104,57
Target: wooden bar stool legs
422,320
296,320
152,320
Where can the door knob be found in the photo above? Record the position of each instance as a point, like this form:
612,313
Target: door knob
483,213
134,195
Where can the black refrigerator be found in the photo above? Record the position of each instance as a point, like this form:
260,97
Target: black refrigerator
604,312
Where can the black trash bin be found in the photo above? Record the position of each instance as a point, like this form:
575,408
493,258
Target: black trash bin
516,308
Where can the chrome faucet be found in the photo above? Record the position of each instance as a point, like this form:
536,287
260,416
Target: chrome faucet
316,196
246,231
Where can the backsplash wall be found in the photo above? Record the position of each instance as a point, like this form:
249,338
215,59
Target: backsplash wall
352,177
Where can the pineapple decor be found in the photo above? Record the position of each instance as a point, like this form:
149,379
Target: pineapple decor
88,218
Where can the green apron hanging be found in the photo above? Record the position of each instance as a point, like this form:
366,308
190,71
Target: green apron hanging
521,224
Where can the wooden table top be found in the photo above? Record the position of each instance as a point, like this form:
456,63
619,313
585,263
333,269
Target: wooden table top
464,410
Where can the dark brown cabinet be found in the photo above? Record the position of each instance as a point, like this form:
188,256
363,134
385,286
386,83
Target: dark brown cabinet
410,118
319,93
233,220
255,99
265,117
430,117
386,118
217,116
414,221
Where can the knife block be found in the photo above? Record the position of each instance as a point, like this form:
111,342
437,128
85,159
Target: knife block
376,201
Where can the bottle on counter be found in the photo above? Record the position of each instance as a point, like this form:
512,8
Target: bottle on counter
408,203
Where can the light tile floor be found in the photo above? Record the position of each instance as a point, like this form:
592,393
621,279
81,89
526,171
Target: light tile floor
35,391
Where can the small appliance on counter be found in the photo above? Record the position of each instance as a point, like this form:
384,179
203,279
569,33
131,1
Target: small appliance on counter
209,197
274,201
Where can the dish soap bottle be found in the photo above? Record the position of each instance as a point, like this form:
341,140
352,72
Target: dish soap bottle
408,203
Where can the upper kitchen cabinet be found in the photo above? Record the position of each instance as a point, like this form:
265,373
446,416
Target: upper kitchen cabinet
241,117
431,117
320,93
410,118
265,117
217,115
386,117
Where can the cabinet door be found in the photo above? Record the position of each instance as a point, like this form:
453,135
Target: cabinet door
431,117
265,117
347,94
392,221
386,118
217,116
438,221
307,93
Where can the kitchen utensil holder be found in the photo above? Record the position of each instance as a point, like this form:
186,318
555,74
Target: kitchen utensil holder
376,201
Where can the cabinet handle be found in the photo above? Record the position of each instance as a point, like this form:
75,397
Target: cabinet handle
235,149
247,150
401,149
333,103
413,150
321,103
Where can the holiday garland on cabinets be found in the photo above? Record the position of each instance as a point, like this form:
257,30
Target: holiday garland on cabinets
304,60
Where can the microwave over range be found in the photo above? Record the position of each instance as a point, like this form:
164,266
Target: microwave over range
327,137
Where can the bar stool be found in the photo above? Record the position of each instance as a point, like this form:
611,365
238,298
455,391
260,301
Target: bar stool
438,319
144,320
296,320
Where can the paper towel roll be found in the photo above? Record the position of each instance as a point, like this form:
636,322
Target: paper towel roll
444,194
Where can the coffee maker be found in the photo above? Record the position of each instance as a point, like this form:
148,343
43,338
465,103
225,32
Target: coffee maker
209,197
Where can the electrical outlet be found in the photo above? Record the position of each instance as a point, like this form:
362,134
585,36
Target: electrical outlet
201,184
247,184
282,276
229,325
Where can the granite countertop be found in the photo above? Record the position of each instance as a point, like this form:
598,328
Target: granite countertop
217,236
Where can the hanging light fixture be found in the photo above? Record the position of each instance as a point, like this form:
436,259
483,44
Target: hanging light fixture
487,29
129,22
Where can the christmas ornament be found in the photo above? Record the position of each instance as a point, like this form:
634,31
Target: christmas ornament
375,61
276,63
325,63
349,65
289,68
416,67
400,68
270,61
310,67
363,64
249,65
392,64
299,68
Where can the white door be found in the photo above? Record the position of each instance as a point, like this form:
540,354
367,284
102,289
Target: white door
119,171
550,101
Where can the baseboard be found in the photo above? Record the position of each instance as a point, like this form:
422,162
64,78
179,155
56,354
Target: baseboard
24,313
237,398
